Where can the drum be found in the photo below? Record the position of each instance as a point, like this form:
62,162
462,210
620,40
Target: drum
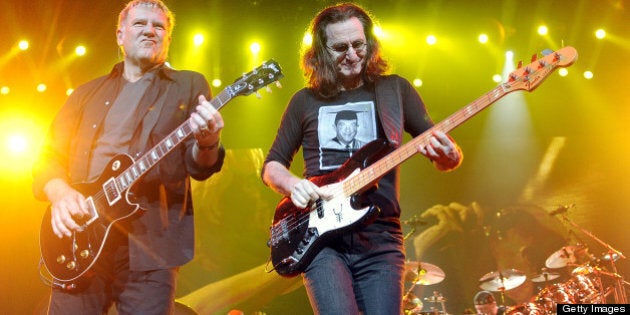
549,297
526,309
586,285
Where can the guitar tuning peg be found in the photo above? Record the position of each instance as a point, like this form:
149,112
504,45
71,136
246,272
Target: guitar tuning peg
520,64
258,95
268,89
547,52
534,57
278,84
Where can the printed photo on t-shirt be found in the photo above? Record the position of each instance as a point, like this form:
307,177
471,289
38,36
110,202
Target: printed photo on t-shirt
342,130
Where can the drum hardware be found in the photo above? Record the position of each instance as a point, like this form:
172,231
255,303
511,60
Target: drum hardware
412,304
620,290
436,298
545,276
419,273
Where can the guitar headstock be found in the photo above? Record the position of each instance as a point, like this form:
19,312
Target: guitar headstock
256,79
530,76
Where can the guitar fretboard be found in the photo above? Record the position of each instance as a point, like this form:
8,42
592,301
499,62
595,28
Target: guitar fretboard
378,169
127,178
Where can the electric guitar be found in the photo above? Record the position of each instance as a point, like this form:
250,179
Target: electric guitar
296,235
109,199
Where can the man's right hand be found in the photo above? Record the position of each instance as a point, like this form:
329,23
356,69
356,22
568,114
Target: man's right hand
305,191
66,206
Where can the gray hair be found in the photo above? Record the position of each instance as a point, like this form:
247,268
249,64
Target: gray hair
122,17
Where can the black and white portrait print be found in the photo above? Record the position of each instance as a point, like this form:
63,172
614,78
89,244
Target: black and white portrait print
344,129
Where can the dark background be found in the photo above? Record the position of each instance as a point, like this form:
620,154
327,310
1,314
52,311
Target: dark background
505,146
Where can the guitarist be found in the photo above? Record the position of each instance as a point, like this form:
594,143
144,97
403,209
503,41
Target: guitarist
359,271
129,111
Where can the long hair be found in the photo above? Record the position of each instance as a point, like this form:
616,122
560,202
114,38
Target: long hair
317,62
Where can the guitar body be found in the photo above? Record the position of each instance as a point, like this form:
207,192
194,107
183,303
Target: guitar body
297,235
69,258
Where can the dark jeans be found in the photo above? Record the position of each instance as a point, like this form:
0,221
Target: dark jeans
134,292
360,273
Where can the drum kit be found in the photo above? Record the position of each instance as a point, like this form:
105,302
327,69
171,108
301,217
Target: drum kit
590,280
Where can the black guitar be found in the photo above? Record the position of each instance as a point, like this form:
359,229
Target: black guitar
298,234
69,258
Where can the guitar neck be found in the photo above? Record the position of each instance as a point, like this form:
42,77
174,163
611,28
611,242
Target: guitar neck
378,169
141,166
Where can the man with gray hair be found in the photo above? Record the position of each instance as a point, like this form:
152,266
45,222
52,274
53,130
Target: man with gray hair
129,111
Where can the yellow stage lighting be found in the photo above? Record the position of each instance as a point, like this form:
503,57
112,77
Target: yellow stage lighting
216,83
307,40
69,91
80,50
5,90
483,38
543,30
254,48
497,78
16,144
198,39
41,87
563,72
417,83
23,45
588,75
431,40
600,33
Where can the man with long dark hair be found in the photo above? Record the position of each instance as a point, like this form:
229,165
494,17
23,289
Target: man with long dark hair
360,270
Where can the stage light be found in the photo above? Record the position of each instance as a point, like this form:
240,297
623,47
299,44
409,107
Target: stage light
5,90
80,50
307,40
417,82
588,75
431,40
377,30
254,48
198,40
563,72
216,83
41,87
16,144
23,45
543,30
600,33
483,38
497,78
69,91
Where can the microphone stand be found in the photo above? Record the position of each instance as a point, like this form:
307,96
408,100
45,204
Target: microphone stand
620,291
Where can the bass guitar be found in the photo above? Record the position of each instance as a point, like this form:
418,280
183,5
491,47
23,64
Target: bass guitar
109,202
296,235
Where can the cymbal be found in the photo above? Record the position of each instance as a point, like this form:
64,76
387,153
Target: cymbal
545,276
502,280
423,273
565,256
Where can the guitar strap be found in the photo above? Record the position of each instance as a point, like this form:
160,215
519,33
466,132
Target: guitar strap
389,108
